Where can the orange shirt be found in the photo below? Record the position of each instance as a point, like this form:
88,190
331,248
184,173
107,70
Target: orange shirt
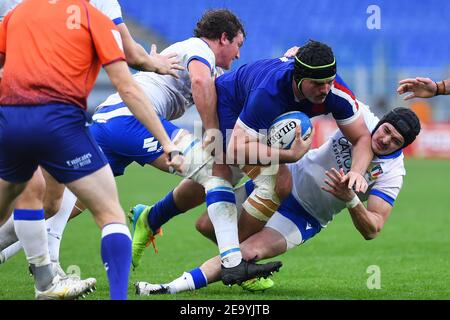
54,50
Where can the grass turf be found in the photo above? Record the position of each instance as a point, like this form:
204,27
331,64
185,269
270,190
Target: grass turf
411,251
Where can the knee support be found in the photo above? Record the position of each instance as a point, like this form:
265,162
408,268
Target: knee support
263,201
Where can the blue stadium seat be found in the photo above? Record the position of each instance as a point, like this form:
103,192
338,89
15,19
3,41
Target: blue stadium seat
411,34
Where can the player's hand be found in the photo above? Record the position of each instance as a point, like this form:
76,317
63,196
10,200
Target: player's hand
299,146
168,64
291,52
355,181
419,88
175,158
337,186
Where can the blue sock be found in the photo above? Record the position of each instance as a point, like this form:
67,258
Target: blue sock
116,256
164,210
199,278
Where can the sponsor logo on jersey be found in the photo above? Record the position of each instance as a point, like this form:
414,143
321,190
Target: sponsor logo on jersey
150,144
342,150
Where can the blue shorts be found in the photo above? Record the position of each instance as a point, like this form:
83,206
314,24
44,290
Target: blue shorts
124,139
53,136
294,211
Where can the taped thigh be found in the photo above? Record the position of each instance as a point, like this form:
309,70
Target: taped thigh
263,201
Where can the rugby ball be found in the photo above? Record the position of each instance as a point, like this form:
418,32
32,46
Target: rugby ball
282,131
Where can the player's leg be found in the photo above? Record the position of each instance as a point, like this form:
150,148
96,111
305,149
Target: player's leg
32,195
74,158
53,195
29,226
266,242
271,185
99,193
57,223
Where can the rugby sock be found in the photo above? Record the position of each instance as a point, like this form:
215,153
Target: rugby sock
116,256
164,210
192,280
30,229
57,224
221,203
7,233
11,251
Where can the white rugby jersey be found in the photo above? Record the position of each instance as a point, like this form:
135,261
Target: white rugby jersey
171,97
110,8
384,175
6,6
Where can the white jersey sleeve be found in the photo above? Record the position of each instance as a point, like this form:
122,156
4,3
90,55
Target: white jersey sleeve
385,176
201,53
110,8
6,6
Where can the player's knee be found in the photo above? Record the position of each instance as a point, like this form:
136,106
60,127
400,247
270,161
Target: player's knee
52,206
34,193
205,227
251,252
188,194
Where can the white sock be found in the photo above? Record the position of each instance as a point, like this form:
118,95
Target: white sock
223,216
57,224
7,233
31,231
11,251
183,283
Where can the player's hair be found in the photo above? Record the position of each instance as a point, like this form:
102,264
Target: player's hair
314,61
215,22
315,53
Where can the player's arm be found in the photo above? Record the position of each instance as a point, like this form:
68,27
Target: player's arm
139,59
247,140
360,137
140,106
423,87
204,93
246,144
369,221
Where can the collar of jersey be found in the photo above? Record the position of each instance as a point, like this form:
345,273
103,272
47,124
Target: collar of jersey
394,155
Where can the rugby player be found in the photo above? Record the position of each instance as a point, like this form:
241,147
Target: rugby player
318,194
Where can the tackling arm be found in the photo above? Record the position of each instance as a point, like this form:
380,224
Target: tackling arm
360,137
369,221
204,94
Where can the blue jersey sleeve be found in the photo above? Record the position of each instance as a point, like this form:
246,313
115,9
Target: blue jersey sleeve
342,103
259,111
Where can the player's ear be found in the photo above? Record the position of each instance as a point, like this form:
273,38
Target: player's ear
224,38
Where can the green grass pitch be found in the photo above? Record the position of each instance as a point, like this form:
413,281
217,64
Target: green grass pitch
411,251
